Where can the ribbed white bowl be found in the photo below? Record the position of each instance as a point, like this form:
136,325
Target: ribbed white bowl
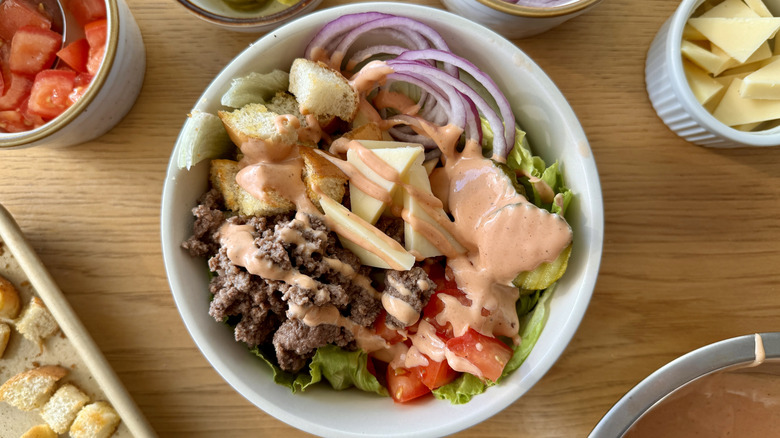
673,99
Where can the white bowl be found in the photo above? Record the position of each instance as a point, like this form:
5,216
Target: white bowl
111,94
553,129
217,13
516,21
673,99
708,359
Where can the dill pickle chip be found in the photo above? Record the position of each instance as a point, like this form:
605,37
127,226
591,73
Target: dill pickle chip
545,274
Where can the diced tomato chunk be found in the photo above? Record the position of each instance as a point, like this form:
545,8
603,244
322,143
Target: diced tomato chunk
86,11
80,87
5,69
50,93
15,14
486,353
389,335
12,121
76,55
18,90
405,384
95,59
436,306
33,50
437,374
96,33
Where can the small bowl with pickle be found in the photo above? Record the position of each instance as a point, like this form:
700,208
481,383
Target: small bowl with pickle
249,15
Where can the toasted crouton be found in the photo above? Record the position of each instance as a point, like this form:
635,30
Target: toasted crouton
62,408
285,103
255,121
30,389
223,178
36,322
5,335
322,91
369,131
320,175
9,299
40,431
96,420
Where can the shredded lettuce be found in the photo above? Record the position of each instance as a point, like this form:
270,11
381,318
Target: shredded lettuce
342,369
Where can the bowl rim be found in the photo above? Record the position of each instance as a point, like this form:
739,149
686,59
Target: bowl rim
679,83
570,318
16,139
539,12
247,22
680,371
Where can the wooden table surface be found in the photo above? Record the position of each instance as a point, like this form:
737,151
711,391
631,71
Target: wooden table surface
691,254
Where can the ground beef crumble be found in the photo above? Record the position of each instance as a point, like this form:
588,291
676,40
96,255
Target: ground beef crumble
260,304
413,287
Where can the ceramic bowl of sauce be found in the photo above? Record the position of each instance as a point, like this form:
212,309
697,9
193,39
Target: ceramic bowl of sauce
520,18
730,388
249,15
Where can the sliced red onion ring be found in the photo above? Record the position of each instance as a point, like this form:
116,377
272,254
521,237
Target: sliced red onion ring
331,32
422,70
486,81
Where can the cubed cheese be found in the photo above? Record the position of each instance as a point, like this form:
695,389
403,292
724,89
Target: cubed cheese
736,110
739,37
705,59
764,83
704,87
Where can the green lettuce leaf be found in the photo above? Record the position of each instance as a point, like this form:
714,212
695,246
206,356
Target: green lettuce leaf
342,369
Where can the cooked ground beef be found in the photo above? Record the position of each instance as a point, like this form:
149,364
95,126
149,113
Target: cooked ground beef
296,342
413,287
208,218
393,227
301,243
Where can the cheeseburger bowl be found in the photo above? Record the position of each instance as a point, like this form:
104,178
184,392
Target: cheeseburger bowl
555,134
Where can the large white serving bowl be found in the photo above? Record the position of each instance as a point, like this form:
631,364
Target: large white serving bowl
554,132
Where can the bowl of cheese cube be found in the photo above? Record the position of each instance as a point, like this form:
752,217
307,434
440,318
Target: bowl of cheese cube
713,72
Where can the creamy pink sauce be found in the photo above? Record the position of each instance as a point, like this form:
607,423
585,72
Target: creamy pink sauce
737,403
496,233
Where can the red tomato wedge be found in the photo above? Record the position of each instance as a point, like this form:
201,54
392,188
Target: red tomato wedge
437,374
76,55
50,93
436,306
33,50
80,87
486,353
15,14
85,11
389,335
96,33
12,121
405,384
18,90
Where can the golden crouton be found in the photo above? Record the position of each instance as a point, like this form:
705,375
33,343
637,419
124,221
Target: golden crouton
369,131
96,420
40,431
320,175
9,299
5,335
255,121
30,389
36,322
62,408
322,91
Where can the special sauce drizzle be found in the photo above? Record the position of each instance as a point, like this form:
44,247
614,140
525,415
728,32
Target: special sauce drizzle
496,233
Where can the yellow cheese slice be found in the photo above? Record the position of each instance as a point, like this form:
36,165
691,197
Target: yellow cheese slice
739,37
704,87
763,52
764,83
731,9
705,59
351,228
691,34
750,67
759,8
415,242
400,159
736,110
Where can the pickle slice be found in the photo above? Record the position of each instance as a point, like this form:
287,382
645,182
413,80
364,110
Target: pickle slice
545,274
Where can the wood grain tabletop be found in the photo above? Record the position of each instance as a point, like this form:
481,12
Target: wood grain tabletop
691,254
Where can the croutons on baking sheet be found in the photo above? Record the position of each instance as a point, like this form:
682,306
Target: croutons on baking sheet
30,389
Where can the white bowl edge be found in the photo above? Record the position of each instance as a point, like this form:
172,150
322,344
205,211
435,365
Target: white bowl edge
537,104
